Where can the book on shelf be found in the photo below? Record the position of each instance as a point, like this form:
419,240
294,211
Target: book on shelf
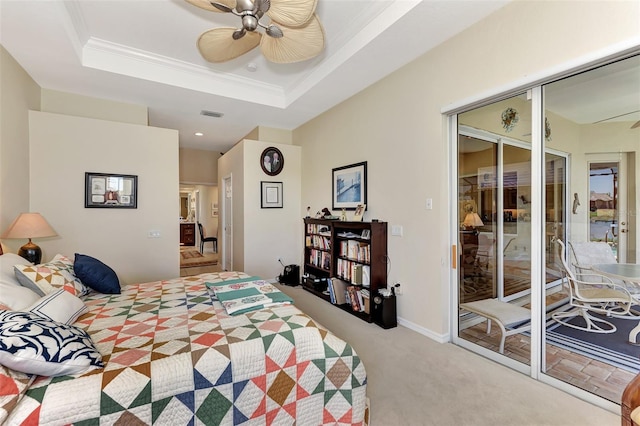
356,298
339,290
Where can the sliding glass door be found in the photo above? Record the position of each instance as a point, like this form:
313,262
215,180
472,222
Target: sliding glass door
552,168
494,219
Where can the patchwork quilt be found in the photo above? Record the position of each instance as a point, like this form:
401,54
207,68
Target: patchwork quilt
174,356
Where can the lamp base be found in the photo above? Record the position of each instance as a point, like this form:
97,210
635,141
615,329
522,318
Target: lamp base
31,252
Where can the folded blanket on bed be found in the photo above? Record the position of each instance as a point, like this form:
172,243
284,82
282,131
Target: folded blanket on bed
242,296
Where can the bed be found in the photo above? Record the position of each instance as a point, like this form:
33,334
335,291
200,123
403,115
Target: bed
173,355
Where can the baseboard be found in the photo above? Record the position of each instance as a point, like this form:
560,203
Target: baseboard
440,338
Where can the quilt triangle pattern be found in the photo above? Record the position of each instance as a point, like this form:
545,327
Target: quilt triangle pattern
173,356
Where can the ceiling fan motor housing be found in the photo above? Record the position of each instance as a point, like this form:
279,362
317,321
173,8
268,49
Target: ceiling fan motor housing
249,22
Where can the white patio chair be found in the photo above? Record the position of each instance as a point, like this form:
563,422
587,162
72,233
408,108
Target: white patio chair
592,293
584,254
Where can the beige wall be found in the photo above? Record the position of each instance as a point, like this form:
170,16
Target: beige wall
18,94
63,148
84,106
231,165
270,134
397,126
262,236
198,166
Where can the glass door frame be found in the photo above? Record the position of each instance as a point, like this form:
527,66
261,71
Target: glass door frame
538,180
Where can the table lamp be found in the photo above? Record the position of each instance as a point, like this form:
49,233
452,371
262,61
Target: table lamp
472,220
30,225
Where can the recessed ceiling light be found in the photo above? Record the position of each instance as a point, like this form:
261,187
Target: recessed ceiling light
199,134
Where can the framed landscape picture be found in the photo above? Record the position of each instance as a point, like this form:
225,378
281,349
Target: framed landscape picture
349,186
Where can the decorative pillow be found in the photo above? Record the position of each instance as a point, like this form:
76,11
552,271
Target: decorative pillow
34,345
47,277
60,306
96,274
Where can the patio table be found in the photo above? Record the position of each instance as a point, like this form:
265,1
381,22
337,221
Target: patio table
629,272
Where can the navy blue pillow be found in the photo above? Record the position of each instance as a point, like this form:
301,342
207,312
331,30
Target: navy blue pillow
96,274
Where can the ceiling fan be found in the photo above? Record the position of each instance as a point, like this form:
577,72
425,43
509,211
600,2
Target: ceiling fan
293,34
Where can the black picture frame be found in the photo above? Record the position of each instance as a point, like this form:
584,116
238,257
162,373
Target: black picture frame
271,195
110,191
349,186
272,161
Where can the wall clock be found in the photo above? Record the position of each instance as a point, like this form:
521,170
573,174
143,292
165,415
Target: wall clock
271,161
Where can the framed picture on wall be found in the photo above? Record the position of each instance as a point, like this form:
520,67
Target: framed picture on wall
108,190
271,161
271,195
349,186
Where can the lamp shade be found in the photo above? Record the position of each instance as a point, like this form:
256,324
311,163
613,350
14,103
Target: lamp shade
472,219
29,225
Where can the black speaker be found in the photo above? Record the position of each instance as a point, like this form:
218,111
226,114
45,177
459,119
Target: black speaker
290,275
384,311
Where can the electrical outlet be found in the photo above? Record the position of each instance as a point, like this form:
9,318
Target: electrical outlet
398,289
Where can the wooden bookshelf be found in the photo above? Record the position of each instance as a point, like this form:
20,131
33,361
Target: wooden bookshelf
353,252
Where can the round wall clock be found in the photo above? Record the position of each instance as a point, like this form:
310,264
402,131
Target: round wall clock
271,161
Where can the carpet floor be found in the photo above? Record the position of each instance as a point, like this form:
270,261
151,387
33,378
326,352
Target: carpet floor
414,380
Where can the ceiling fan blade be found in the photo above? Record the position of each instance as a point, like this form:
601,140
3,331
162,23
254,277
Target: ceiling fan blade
636,125
292,13
218,45
206,5
297,44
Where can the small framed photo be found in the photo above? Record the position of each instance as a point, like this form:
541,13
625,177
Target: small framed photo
107,190
357,215
349,186
271,161
366,234
271,195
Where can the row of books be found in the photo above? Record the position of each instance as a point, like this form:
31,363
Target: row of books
318,241
319,258
355,250
341,293
354,272
314,228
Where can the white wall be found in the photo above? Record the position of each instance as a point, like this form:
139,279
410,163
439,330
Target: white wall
18,94
271,234
63,148
261,236
397,126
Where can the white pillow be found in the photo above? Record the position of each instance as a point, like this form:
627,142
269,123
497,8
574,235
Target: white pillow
7,262
15,296
60,306
34,345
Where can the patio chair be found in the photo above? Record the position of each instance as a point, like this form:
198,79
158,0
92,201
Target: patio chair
592,293
587,253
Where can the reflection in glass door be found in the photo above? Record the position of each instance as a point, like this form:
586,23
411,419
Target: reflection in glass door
494,235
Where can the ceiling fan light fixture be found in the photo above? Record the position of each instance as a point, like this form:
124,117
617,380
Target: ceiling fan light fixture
293,35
